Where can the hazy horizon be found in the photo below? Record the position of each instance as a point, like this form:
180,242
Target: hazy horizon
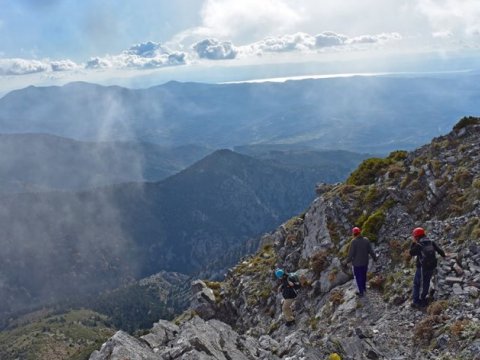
149,42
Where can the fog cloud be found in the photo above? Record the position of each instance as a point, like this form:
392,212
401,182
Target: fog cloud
63,244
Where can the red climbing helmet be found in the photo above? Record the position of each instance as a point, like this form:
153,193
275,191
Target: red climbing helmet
356,231
417,232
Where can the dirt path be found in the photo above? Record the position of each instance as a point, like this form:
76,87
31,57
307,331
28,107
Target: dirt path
390,326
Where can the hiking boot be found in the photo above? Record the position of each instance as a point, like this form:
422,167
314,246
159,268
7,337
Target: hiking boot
359,294
415,305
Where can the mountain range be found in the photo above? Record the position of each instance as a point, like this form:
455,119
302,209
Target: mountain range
41,162
60,244
361,114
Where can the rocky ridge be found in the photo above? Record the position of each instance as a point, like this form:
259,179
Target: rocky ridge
437,187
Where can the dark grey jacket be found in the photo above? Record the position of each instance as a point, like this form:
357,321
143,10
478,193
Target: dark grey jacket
360,248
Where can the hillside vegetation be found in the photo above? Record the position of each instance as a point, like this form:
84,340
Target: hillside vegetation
73,335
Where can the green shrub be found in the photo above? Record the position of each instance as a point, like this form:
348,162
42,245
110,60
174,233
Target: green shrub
372,225
377,282
273,326
470,230
466,121
371,195
424,330
398,155
336,297
368,171
319,262
332,275
332,230
396,250
463,177
476,183
313,323
437,307
343,252
458,327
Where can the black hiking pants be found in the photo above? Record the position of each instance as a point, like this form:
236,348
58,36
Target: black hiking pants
421,282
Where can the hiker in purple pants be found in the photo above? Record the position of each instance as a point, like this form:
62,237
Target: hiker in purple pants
360,248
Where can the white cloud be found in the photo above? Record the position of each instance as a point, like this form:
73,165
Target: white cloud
142,56
442,34
148,49
285,43
243,21
99,63
233,17
329,38
372,39
63,65
22,66
215,50
17,66
152,55
460,17
303,42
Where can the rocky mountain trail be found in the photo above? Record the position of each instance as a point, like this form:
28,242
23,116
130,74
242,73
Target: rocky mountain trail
436,187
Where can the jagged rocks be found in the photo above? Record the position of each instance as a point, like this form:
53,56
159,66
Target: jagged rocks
161,333
316,232
122,346
203,301
194,339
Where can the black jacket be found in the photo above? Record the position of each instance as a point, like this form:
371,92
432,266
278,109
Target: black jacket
416,249
288,292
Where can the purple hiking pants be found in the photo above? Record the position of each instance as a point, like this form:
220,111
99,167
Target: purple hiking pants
360,273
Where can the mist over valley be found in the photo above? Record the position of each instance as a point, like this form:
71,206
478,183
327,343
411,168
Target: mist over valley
104,186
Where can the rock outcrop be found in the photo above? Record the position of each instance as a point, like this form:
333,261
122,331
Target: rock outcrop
436,186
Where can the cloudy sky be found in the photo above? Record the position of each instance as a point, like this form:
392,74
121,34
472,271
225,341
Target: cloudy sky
146,42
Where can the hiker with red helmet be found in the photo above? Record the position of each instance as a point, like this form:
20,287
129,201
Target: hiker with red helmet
424,249
360,248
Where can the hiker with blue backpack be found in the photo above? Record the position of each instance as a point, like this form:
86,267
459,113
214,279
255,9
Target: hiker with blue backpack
424,249
289,287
